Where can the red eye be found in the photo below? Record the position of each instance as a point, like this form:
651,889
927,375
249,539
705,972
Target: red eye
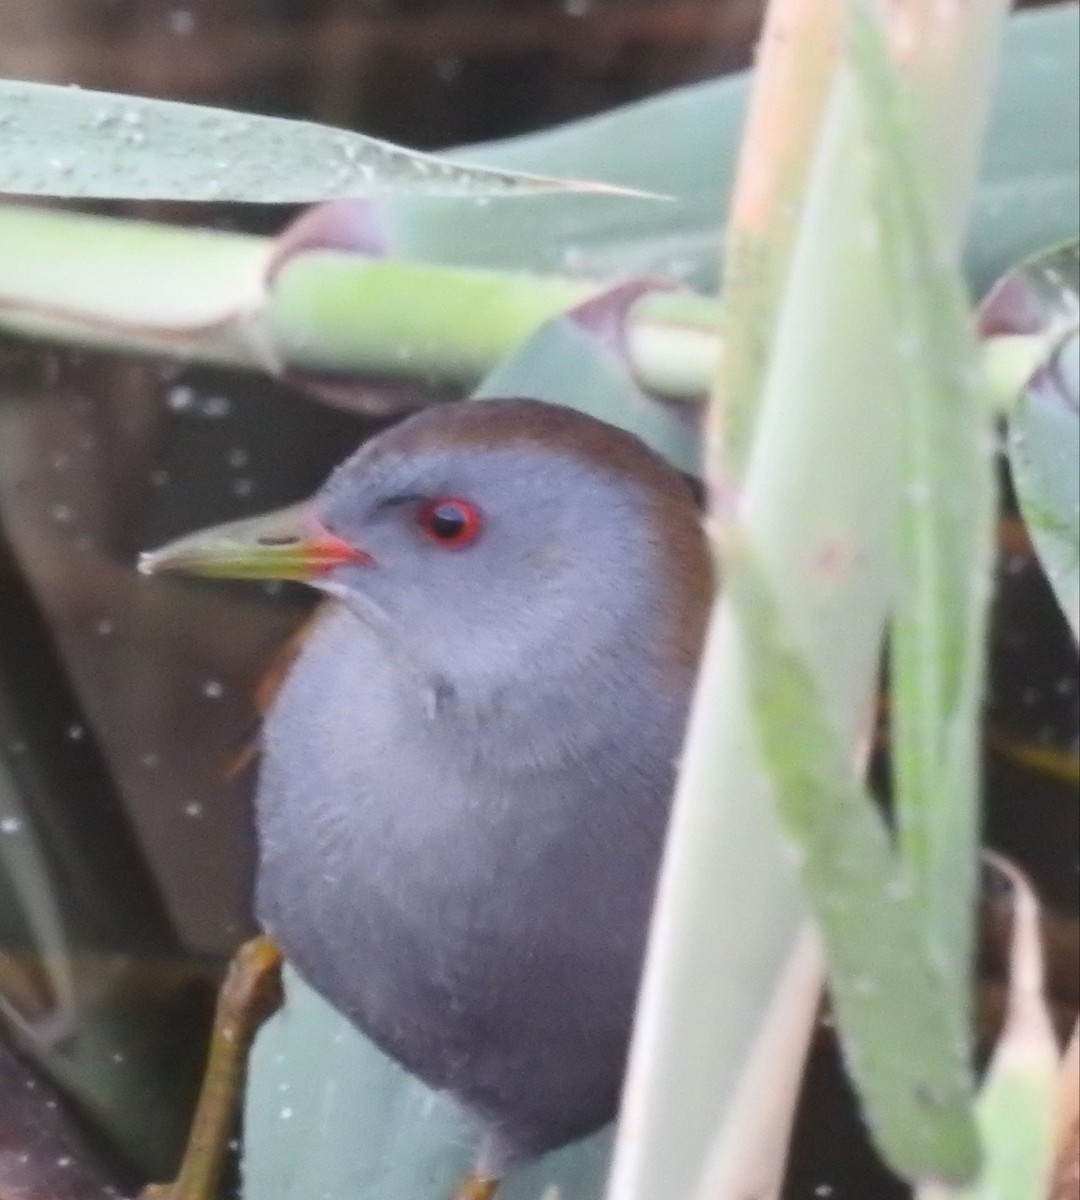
450,522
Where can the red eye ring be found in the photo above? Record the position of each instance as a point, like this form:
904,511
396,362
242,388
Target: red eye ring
450,522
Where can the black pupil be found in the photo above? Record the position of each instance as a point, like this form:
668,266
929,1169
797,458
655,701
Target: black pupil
448,521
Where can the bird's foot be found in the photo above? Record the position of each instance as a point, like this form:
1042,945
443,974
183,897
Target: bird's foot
250,994
474,1187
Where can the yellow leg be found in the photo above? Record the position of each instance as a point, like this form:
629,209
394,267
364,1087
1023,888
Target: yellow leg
250,994
475,1188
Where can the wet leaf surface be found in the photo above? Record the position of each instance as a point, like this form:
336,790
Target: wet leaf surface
1040,300
62,141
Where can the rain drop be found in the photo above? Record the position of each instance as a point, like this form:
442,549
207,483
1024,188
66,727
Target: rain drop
212,689
193,810
180,398
216,407
794,853
898,890
908,345
76,733
10,825
864,987
918,493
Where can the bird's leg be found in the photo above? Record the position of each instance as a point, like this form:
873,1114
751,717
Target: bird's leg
250,994
476,1187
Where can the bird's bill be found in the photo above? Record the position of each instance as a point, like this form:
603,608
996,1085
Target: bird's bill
287,544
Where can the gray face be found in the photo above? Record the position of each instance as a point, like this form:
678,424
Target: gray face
563,558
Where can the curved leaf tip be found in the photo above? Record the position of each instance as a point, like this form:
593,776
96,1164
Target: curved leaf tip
70,142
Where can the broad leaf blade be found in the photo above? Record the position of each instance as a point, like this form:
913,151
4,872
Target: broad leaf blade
684,144
895,1019
328,1116
1037,308
946,523
62,141
817,501
1044,450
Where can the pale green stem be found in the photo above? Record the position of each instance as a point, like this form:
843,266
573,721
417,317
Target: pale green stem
421,320
136,287
202,296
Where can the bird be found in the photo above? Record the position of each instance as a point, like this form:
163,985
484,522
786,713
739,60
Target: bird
466,775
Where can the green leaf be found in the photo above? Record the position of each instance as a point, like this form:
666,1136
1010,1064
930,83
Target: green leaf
1044,451
567,364
818,502
328,1116
198,295
896,1022
1017,1106
64,141
684,143
1033,314
946,529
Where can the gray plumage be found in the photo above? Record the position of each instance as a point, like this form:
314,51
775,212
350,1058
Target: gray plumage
466,776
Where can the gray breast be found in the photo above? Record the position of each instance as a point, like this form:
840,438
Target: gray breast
484,926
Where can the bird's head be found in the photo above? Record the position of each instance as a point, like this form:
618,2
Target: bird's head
484,534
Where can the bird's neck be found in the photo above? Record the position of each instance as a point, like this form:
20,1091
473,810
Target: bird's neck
541,707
